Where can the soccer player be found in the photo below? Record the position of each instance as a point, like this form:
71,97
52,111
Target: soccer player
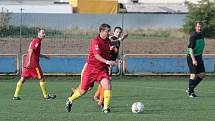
95,68
32,68
194,59
117,37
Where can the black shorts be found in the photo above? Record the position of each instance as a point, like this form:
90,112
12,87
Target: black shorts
113,56
200,68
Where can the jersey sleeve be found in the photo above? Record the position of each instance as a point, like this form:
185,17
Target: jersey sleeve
192,40
34,44
95,47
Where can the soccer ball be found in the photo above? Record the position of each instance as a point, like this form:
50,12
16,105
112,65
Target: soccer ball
137,107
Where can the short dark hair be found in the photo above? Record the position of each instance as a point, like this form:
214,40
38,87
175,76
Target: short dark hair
117,28
199,22
38,29
103,26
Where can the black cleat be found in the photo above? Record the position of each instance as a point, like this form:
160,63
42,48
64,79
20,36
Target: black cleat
106,110
16,98
68,106
50,97
192,95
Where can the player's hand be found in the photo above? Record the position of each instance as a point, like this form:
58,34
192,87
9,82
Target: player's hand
195,63
111,47
120,61
111,63
125,35
115,50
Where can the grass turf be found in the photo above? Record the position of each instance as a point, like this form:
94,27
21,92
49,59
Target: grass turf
164,99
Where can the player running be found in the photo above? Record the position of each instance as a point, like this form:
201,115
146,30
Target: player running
117,37
95,68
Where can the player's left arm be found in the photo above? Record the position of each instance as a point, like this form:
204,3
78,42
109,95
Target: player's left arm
125,35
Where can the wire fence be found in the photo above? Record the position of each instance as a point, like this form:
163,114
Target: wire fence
72,33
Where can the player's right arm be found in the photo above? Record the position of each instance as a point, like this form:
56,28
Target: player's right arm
30,51
33,46
99,57
96,51
191,47
193,57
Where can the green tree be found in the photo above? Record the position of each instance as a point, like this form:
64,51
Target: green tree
4,20
205,12
4,17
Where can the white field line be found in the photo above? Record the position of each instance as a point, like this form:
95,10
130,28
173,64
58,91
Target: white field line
157,88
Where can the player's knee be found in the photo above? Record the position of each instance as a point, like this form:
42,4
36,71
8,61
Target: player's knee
22,80
42,80
106,84
202,75
192,76
108,88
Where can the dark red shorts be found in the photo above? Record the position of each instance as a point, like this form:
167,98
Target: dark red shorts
28,73
90,75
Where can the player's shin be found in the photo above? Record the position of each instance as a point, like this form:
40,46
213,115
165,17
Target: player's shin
107,96
18,88
197,81
43,88
101,97
191,85
96,96
75,95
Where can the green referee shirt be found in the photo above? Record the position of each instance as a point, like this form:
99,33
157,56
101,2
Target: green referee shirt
197,43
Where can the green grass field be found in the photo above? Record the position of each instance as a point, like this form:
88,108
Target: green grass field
164,99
